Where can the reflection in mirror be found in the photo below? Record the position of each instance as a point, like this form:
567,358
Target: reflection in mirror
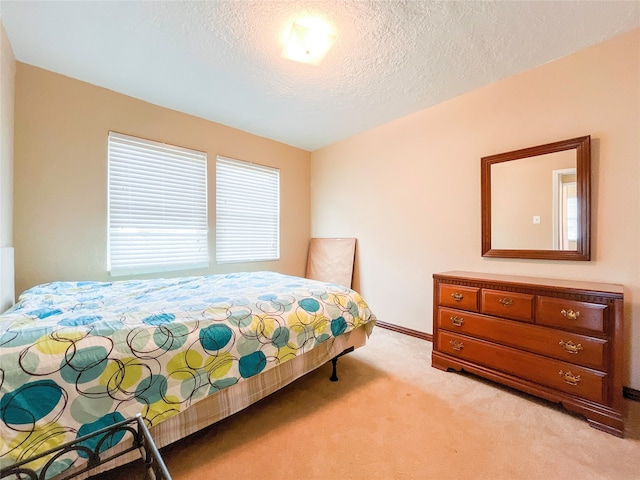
528,211
535,202
565,209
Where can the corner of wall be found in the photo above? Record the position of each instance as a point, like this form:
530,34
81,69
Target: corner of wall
7,96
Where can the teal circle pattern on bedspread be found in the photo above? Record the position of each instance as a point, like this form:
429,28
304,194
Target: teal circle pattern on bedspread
79,356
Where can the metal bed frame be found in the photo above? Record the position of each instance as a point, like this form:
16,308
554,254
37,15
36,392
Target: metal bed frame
334,364
155,468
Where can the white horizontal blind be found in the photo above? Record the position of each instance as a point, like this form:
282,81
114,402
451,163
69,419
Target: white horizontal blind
157,207
247,212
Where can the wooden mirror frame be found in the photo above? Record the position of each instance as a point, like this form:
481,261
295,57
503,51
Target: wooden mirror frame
582,145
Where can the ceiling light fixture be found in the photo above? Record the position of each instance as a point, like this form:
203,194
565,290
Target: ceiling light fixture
308,41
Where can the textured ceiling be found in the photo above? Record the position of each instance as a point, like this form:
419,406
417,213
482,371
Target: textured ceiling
220,60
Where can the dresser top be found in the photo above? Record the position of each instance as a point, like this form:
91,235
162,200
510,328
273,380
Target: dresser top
534,281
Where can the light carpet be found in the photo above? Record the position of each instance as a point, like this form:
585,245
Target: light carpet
393,416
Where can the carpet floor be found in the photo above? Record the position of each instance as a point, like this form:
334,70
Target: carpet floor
393,416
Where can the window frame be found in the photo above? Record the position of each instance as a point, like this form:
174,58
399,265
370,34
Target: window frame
164,226
247,174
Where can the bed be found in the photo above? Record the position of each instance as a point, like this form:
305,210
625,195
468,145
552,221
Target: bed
183,352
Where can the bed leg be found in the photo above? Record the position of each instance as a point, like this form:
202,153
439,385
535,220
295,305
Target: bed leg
334,373
334,362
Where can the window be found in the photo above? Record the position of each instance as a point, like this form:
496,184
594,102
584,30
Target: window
572,218
247,212
157,207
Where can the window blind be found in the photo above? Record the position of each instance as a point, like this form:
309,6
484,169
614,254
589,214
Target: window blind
157,207
247,212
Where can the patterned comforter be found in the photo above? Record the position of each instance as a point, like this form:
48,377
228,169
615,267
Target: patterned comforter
79,356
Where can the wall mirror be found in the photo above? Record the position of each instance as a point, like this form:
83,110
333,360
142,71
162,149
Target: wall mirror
536,202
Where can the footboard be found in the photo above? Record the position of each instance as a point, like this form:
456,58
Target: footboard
91,447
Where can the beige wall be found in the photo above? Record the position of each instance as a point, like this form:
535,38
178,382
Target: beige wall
409,191
60,217
7,88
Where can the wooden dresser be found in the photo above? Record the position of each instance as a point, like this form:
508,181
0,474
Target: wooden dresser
560,340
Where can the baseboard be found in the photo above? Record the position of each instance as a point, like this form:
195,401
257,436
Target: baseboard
631,393
406,331
628,392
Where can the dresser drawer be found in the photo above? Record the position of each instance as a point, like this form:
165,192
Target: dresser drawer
456,296
569,314
570,347
517,306
556,374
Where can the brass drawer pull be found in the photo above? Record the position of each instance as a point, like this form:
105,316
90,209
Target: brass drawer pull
570,314
571,347
456,345
569,377
457,321
507,302
457,296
